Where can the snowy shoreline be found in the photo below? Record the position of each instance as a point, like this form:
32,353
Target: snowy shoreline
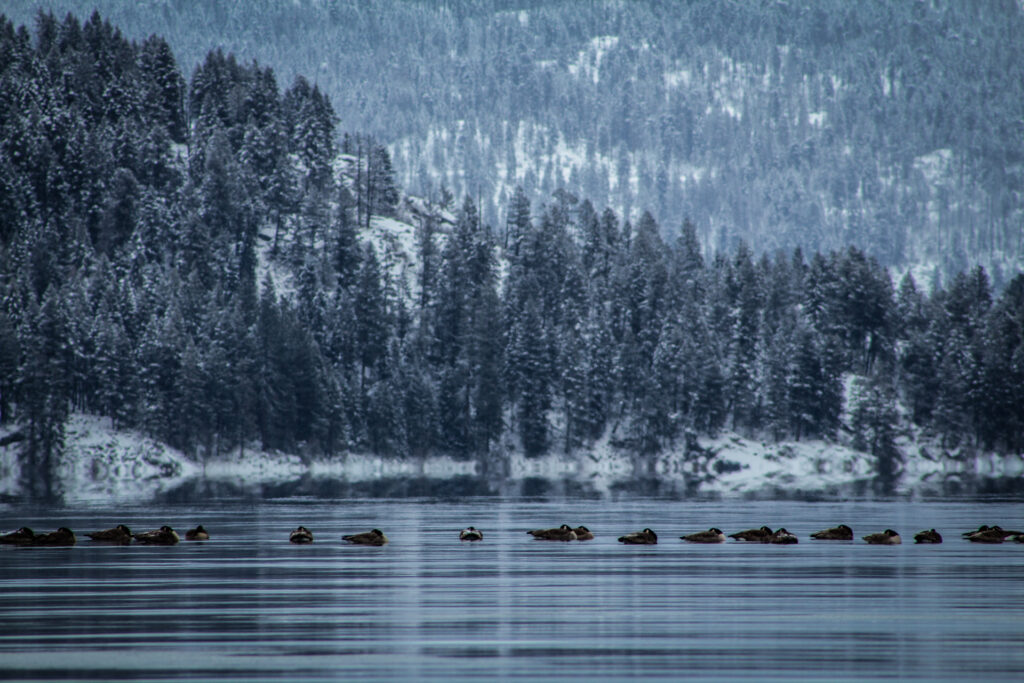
105,465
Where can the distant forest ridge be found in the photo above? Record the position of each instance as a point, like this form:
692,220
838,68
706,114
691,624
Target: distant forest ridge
148,223
893,126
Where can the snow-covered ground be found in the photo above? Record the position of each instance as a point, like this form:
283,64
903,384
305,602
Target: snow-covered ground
105,465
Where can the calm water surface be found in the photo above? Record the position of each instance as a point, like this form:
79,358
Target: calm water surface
247,605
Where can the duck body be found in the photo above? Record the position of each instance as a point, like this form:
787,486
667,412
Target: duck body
62,536
197,534
583,533
645,537
991,535
471,534
762,535
783,537
928,536
301,535
119,534
887,537
562,533
22,536
712,535
372,537
165,535
836,533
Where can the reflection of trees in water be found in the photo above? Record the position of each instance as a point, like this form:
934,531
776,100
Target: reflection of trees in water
196,490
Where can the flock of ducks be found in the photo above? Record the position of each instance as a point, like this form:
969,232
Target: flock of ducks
165,535
983,534
118,535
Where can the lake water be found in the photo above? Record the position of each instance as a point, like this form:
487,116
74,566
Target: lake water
248,605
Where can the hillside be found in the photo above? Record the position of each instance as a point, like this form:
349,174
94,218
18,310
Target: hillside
892,127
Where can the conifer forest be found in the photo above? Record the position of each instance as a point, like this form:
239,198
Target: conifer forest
222,258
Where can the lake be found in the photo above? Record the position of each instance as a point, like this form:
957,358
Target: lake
249,606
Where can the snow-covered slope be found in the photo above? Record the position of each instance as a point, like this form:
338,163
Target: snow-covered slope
104,465
101,464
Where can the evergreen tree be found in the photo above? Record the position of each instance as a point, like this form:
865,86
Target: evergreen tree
534,381
517,224
43,393
873,421
371,323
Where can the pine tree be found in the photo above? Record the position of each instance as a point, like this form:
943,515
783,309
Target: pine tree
534,381
43,393
163,87
371,323
382,194
517,224
873,421
346,240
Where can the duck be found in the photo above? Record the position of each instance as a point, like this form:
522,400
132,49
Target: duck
372,537
983,527
22,536
62,536
165,535
301,535
119,534
562,533
992,534
712,535
471,533
197,534
783,537
645,537
583,533
761,535
836,533
887,537
928,536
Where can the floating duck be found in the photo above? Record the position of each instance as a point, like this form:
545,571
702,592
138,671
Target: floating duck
887,537
583,533
983,527
761,535
119,534
928,536
197,534
783,537
712,535
165,535
992,534
562,533
22,536
836,533
62,536
645,537
471,533
372,537
301,535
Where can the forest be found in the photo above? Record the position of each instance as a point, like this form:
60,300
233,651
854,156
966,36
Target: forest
199,259
894,126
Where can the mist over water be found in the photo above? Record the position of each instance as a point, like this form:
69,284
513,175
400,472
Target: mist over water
249,605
